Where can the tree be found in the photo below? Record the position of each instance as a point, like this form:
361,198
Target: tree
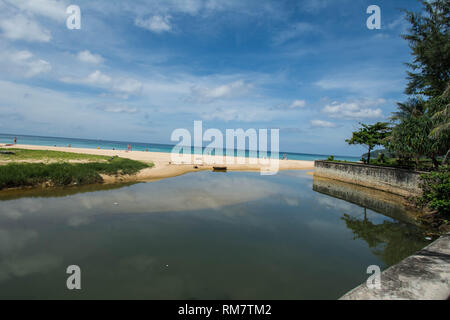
422,123
411,139
370,136
440,107
429,40
422,129
413,107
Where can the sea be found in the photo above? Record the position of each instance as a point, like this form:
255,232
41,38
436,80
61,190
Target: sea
140,146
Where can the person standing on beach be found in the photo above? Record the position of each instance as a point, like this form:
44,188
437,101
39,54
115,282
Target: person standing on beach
15,140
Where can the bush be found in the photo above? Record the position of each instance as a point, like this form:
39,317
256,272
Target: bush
330,158
436,192
381,158
61,174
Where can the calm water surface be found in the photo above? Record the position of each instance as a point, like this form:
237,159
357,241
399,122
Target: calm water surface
199,236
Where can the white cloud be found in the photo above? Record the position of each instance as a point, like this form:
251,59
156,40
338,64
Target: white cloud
128,86
314,5
23,63
294,31
25,108
362,109
369,81
98,79
119,109
189,7
54,9
322,124
227,91
298,104
21,27
88,57
157,24
400,22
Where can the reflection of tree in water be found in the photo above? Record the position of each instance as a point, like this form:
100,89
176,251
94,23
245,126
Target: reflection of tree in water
390,241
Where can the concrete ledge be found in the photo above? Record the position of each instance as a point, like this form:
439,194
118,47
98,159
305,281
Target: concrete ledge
398,181
422,276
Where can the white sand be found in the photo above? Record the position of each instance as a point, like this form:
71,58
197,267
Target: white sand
164,168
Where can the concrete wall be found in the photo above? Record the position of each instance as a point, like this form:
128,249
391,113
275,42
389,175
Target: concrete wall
393,180
388,204
422,276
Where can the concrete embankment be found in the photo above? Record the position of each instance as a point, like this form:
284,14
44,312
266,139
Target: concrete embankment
397,181
422,276
388,204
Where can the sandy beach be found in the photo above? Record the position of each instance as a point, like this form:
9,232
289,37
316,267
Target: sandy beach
165,168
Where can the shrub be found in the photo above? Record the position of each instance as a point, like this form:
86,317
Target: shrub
436,192
61,174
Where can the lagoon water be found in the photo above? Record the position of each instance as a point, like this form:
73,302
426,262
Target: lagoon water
199,236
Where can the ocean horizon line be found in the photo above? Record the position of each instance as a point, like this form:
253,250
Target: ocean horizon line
140,146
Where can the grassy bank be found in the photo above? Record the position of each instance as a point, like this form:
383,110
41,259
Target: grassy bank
61,172
46,156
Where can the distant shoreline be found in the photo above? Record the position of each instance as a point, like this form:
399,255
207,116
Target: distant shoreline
139,146
163,168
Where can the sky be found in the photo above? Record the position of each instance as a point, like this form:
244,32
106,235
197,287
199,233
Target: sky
137,70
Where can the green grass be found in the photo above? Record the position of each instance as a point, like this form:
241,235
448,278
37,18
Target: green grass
22,154
15,175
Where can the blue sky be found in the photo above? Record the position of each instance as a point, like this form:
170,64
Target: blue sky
137,70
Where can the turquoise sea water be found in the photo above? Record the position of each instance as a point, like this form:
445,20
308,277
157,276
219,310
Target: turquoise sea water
138,146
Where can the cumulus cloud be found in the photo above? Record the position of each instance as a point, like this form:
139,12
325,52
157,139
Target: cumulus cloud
297,104
88,57
23,63
226,91
157,24
128,86
370,81
98,79
21,27
322,124
362,109
54,9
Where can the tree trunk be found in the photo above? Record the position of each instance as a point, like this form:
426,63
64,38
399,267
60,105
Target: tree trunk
368,156
444,162
435,162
